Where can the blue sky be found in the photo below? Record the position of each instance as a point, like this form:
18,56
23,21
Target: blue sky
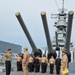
10,29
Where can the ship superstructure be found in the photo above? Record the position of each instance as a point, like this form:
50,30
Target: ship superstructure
61,26
61,33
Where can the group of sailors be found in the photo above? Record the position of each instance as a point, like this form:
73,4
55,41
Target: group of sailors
27,62
19,62
36,62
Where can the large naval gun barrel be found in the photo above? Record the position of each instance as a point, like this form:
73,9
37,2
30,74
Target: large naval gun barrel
57,46
56,39
69,28
45,25
26,31
68,34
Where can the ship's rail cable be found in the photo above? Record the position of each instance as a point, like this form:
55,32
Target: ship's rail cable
56,4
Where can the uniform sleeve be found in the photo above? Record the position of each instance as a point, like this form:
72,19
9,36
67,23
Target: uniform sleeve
5,54
46,60
25,58
54,61
25,55
20,59
65,59
40,60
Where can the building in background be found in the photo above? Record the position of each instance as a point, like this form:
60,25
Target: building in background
4,46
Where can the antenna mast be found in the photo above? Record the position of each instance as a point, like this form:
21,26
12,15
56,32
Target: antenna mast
62,6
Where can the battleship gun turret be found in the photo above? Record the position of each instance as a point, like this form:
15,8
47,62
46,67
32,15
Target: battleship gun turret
49,45
34,48
68,34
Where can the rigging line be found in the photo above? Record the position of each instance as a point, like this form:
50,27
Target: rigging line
56,4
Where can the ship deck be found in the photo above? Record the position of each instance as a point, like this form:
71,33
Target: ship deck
30,73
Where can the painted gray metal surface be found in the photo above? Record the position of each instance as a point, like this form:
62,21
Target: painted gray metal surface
31,73
45,25
69,29
34,48
56,39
